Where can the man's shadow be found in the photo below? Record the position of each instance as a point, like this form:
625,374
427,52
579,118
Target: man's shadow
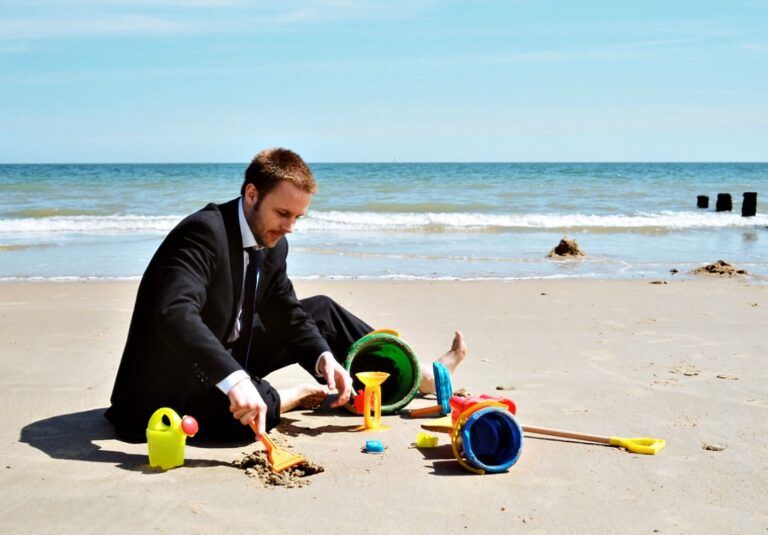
73,437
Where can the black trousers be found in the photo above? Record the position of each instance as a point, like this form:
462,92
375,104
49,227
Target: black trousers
338,326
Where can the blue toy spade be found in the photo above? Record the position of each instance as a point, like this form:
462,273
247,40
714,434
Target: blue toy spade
444,392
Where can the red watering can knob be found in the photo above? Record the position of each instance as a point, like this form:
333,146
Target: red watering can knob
189,426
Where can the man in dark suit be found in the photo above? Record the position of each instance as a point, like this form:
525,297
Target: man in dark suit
215,313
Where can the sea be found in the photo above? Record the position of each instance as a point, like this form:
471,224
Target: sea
424,221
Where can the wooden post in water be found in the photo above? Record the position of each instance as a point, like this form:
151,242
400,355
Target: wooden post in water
724,202
749,204
702,201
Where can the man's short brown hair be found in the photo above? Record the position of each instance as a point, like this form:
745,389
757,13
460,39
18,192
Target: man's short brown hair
270,166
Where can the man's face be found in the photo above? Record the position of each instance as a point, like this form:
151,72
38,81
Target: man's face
273,215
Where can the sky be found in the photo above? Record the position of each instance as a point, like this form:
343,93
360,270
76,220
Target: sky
399,80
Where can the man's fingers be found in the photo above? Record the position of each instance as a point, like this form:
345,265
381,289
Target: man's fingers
260,422
246,417
242,411
343,399
247,405
345,390
345,395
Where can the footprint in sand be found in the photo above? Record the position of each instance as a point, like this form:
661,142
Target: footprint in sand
685,368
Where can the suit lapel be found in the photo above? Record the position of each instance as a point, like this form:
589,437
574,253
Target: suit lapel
229,212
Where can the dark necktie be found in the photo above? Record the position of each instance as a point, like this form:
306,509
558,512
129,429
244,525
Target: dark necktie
249,303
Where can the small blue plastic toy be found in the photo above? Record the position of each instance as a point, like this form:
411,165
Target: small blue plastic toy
373,446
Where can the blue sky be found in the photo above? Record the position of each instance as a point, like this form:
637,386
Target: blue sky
336,80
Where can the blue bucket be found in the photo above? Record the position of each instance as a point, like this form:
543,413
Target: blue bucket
491,439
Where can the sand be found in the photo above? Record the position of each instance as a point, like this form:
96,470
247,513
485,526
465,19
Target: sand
721,268
683,361
256,464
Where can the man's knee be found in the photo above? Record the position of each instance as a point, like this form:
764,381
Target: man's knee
318,304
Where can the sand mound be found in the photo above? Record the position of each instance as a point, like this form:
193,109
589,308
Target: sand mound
566,248
257,465
721,268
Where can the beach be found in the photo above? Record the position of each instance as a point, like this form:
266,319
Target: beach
682,360
580,191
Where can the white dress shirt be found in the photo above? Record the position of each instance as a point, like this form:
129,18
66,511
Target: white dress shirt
249,241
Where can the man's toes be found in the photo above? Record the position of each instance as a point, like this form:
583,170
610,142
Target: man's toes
458,342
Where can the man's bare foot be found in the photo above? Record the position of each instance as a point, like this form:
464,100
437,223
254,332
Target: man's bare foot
305,396
451,360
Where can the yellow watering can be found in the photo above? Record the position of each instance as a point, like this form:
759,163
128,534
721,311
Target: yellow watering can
166,436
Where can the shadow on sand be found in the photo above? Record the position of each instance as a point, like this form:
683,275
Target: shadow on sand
73,437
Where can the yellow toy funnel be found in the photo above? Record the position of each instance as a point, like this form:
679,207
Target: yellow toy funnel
372,400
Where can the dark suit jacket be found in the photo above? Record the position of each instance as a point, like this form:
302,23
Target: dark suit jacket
185,310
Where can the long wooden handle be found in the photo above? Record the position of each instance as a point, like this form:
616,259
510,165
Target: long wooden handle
566,434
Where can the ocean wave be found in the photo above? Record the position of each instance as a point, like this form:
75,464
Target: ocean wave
90,224
420,207
56,212
69,278
448,222
319,221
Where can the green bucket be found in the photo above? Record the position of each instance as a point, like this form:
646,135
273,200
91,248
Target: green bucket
383,352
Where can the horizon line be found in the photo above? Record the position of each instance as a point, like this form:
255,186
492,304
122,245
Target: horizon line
409,162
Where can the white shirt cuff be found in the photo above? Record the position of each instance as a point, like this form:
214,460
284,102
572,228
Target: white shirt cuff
317,362
226,384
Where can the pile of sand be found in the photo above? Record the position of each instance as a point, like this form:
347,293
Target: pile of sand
566,248
257,465
721,268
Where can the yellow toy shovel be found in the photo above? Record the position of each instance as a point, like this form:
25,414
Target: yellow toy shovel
643,445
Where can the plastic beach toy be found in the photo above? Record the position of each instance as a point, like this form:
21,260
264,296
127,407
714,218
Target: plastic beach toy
279,458
485,436
166,436
425,440
373,446
385,351
642,445
444,391
372,400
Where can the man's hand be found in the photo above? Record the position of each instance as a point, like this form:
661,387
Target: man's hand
246,405
337,378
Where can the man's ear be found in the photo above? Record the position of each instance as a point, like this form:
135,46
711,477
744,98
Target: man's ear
251,194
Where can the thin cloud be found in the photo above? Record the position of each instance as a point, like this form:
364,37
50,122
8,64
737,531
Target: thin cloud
92,18
70,4
99,26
